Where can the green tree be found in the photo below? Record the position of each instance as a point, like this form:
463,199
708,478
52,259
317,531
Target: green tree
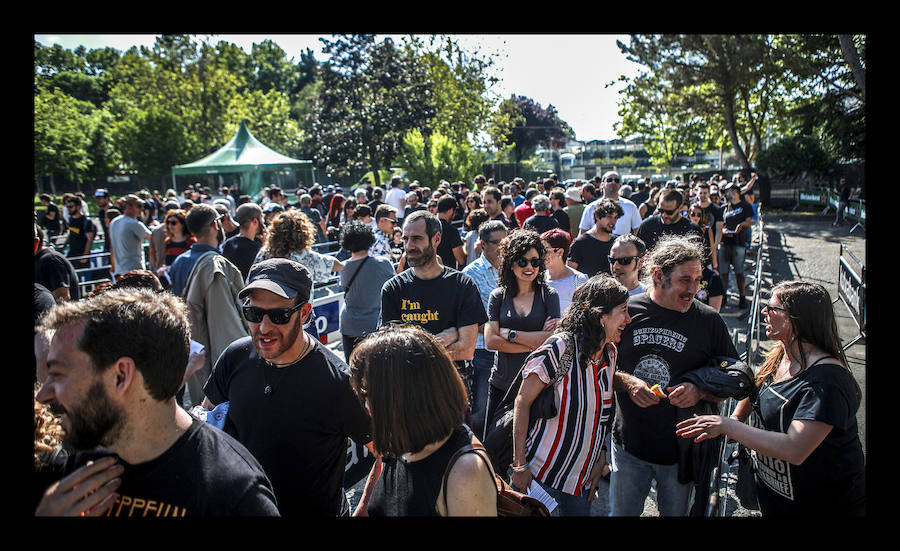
430,159
372,94
529,125
62,135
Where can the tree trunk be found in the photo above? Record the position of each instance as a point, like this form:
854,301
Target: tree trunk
732,133
852,58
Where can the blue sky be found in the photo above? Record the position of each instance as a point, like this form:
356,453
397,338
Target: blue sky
568,71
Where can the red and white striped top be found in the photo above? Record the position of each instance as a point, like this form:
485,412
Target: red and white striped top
563,450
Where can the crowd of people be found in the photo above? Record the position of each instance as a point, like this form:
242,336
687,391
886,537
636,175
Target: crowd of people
461,305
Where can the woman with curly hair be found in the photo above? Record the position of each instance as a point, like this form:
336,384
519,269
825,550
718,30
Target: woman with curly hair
291,235
522,312
566,454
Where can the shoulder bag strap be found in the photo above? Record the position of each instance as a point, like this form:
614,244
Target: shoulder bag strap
356,273
478,450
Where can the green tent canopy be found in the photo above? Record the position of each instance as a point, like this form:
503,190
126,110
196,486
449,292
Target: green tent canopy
247,156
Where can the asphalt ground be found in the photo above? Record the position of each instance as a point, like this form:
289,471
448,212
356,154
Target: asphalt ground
794,246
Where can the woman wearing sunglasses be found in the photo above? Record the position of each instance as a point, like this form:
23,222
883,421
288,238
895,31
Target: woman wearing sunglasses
522,312
803,431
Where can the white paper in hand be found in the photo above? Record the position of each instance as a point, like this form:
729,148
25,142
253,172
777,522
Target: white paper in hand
196,347
538,493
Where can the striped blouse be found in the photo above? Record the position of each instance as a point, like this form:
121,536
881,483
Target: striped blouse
562,451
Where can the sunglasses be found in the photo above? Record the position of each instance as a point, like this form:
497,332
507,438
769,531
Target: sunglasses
278,316
535,262
668,212
171,222
616,180
771,307
624,260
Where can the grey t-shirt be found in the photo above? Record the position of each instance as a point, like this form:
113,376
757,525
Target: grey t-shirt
362,303
501,309
127,238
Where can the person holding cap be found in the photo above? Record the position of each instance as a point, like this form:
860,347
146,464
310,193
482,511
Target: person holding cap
289,398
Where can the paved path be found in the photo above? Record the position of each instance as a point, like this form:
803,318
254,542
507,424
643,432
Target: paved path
795,247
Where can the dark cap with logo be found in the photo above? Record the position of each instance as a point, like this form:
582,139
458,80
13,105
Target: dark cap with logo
281,276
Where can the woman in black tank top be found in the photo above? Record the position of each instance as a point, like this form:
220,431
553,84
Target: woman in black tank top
417,401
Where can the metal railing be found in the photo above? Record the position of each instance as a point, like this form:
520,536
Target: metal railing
720,479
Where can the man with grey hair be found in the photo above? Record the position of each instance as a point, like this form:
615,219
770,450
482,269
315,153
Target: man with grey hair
541,221
670,334
629,222
485,271
114,364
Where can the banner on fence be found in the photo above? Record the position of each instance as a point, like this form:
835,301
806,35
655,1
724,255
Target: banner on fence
852,290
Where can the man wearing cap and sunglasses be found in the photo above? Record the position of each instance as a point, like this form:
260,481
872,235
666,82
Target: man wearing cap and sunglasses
289,398
631,219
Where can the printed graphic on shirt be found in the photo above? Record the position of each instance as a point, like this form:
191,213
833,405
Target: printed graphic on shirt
661,336
411,312
653,369
774,473
128,506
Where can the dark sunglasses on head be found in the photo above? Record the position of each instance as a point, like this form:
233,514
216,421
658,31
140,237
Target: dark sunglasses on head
535,262
278,316
624,260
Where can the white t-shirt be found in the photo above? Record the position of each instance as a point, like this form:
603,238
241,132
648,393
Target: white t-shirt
628,222
396,198
565,287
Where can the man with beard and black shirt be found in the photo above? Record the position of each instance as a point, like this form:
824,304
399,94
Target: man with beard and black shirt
289,397
443,301
114,364
669,221
81,234
670,334
589,253
241,249
738,217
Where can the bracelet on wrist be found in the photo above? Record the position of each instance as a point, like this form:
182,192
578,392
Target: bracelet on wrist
520,468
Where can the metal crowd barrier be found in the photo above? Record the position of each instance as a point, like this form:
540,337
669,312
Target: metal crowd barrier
720,480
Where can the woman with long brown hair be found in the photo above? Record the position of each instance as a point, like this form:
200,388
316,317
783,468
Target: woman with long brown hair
803,435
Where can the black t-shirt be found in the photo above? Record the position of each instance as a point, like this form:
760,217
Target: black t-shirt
78,230
591,254
712,213
205,473
53,270
733,216
562,218
298,432
710,286
450,239
660,346
241,252
831,481
409,210
501,309
653,228
541,223
449,300
53,226
43,300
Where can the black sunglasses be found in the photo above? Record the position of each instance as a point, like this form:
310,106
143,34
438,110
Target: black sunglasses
535,262
624,261
278,316
669,212
616,180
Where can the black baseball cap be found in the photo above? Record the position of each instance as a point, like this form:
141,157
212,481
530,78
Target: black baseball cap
281,276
